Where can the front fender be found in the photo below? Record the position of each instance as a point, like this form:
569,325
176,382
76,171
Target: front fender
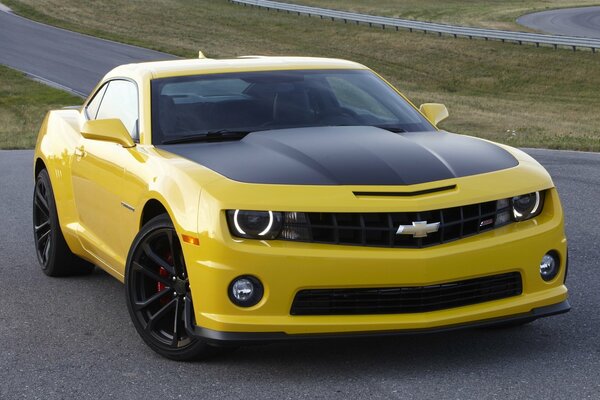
57,139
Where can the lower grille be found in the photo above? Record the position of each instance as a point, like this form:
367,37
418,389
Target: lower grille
410,299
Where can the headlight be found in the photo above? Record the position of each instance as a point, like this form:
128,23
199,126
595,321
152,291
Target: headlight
254,224
527,206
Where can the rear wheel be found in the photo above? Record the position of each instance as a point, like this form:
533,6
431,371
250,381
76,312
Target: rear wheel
158,293
53,253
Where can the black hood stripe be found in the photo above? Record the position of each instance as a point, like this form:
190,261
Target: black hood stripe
353,155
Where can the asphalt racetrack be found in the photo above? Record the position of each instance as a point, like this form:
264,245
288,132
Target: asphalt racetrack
584,21
71,338
62,58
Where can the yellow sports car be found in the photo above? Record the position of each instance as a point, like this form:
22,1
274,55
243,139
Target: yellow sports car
272,198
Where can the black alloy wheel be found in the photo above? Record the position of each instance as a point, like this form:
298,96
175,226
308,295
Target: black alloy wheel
42,228
53,253
158,292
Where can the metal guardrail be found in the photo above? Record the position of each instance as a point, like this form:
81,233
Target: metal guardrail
457,31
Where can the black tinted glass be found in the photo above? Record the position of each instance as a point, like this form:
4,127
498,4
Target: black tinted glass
251,101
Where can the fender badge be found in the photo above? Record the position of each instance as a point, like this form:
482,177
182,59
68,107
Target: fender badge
127,206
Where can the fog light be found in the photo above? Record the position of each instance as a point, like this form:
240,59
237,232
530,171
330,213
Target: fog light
549,266
245,291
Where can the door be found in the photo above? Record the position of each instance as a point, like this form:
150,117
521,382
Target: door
98,173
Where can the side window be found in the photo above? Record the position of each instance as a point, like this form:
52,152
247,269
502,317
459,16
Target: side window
120,101
92,107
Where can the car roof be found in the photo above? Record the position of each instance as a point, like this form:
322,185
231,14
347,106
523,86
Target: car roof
182,67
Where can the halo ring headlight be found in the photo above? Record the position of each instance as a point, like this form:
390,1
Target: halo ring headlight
254,224
526,206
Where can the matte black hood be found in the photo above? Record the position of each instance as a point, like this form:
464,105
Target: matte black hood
357,155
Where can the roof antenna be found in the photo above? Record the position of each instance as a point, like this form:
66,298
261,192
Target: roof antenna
201,55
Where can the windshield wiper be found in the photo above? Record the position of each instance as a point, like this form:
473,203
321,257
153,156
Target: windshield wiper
208,136
391,128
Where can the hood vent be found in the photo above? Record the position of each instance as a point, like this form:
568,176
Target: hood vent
404,194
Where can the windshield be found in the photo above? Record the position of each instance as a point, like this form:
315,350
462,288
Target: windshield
205,105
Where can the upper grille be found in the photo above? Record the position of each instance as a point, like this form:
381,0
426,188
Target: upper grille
411,299
379,229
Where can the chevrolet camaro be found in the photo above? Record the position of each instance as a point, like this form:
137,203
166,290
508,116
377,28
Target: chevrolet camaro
259,199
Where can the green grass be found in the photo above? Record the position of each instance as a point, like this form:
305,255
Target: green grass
518,95
499,14
23,104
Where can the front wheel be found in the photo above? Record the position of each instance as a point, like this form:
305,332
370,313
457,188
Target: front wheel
158,293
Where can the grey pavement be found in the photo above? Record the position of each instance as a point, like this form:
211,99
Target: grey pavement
71,338
63,58
584,21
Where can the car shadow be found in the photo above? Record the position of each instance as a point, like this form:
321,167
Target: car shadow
461,349
473,346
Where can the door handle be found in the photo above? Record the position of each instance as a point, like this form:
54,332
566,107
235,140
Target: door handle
79,151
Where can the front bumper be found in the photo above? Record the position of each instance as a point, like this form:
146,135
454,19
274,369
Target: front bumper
284,268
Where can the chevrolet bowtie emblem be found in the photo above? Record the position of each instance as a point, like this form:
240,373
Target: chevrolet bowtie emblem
418,229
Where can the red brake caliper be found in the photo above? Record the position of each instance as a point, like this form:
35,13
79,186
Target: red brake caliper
163,273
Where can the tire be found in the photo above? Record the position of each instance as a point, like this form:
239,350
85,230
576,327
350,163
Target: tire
158,293
53,253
